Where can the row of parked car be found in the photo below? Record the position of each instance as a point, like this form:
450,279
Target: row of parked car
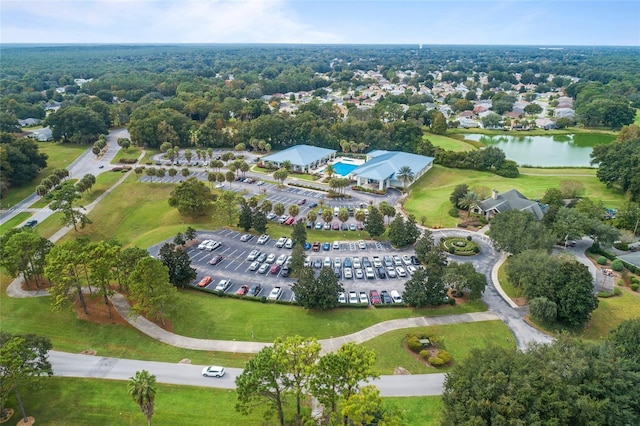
263,262
209,245
348,268
374,297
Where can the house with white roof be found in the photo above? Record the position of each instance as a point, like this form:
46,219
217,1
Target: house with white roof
382,168
302,157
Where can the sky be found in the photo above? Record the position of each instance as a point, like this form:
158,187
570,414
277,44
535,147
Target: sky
512,22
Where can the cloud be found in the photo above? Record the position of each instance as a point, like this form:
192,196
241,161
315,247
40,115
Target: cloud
189,21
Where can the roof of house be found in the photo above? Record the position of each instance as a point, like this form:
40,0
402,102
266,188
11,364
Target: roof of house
512,200
300,155
385,164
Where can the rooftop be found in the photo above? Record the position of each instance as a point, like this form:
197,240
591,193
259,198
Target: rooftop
385,164
300,155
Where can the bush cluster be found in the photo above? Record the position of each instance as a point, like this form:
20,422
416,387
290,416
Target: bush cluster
621,246
617,265
413,343
436,361
301,185
128,160
635,286
602,260
369,190
424,354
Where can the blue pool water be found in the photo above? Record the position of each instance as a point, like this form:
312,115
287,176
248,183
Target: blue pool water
343,169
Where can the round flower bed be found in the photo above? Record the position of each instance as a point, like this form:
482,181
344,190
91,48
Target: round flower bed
460,246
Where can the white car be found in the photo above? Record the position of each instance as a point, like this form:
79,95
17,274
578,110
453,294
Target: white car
253,255
356,263
369,273
412,269
288,244
342,298
377,263
213,371
362,245
391,272
260,183
263,239
348,274
281,259
223,285
271,216
281,242
359,274
307,261
395,296
263,268
353,297
212,245
254,266
219,185
364,298
406,260
396,260
275,293
246,237
327,262
337,263
203,245
401,271
271,258
336,245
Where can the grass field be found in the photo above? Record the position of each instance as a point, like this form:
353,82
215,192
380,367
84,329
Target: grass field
611,312
50,225
449,143
510,289
418,410
132,152
211,317
567,173
60,156
459,339
14,221
430,194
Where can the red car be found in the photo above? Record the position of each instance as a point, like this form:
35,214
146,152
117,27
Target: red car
275,269
289,221
204,281
215,259
316,245
242,290
301,202
374,297
336,226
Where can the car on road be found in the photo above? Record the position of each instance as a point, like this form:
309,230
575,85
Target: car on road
301,202
396,260
101,166
204,281
253,255
326,246
348,273
358,273
369,273
262,257
255,265
401,271
215,260
353,297
263,239
363,297
307,245
406,260
223,285
275,269
213,371
384,296
244,289
254,290
342,298
374,297
275,293
246,237
271,258
203,245
281,259
263,268
415,261
395,296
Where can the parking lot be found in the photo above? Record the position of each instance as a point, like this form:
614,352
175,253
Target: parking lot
235,267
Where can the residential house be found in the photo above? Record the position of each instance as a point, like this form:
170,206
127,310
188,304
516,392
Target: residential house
510,200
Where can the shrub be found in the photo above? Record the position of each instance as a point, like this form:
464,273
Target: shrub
635,280
476,249
469,237
451,301
453,212
444,356
414,344
635,286
617,265
452,249
263,299
436,361
602,260
543,310
424,354
621,246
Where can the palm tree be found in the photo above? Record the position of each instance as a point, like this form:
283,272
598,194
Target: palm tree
287,165
469,200
405,174
330,170
142,388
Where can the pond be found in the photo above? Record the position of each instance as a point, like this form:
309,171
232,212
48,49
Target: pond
546,151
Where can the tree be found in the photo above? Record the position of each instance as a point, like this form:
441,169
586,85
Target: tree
463,276
190,233
278,208
329,170
23,360
24,252
397,234
532,109
360,215
543,310
259,221
294,209
366,407
191,198
406,175
438,124
387,210
178,263
124,143
266,206
492,121
317,293
150,289
299,234
281,175
185,172
343,215
63,269
616,165
625,339
374,224
63,199
327,215
430,254
468,202
142,389
263,380
230,177
514,231
425,289
101,262
245,219
297,260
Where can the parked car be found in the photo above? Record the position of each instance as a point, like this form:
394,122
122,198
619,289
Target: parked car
285,271
203,245
374,297
335,226
327,262
255,265
301,202
255,289
281,242
384,295
369,273
204,281
353,297
366,262
271,258
347,262
223,285
275,293
262,257
387,261
212,245
307,245
253,255
272,216
382,273
307,261
317,263
401,271
318,226
359,226
395,296
391,272
316,246
215,260
246,237
348,273
290,221
362,245
342,298
345,227
213,371
377,263
326,246
358,273
275,269
263,268
288,244
309,224
337,262
244,289
352,227
327,226
396,260
263,239
337,272
411,269
313,205
363,297
281,259
260,183
406,260
415,261
336,245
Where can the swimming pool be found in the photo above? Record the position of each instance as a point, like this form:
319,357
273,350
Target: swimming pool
343,169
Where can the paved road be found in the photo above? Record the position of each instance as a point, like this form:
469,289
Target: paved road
95,367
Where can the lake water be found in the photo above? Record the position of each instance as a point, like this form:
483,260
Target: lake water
546,151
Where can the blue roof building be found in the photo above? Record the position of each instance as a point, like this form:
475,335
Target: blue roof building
302,157
382,167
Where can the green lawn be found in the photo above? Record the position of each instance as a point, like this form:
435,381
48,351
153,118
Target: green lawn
568,173
418,410
148,153
430,194
449,143
132,152
511,290
60,156
611,312
50,225
212,317
459,339
14,221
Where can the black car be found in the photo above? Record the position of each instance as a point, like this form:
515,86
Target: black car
384,295
415,261
254,290
309,224
382,274
313,205
366,262
31,223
